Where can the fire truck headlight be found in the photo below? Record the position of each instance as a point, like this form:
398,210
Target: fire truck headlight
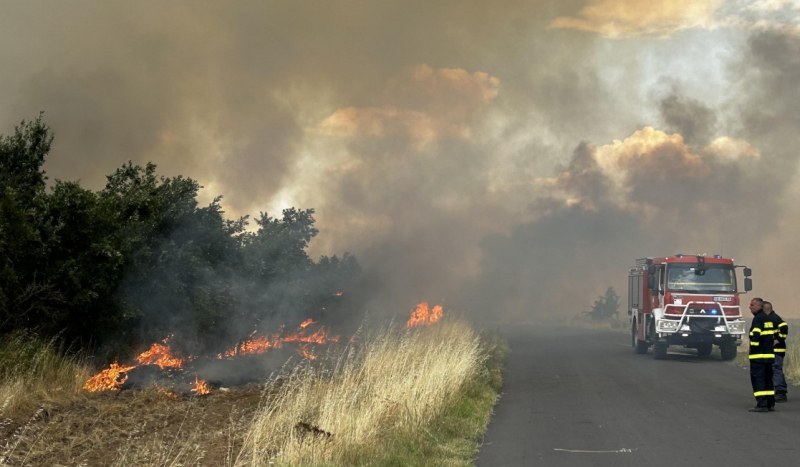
736,327
667,325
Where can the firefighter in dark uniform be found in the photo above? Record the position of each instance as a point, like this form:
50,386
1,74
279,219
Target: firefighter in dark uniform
762,355
778,379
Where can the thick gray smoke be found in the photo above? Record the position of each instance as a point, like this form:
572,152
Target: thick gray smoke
508,160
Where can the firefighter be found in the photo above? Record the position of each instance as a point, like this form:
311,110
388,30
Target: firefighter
780,351
762,355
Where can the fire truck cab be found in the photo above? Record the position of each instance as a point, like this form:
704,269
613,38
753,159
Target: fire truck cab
687,300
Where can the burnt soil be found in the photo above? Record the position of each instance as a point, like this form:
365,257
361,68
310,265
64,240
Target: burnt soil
150,426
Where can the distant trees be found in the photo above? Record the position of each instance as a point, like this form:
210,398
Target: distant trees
605,308
140,258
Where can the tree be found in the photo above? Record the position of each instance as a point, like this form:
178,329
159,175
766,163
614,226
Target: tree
139,259
606,307
24,287
21,158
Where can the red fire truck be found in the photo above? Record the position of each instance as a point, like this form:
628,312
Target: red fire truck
688,300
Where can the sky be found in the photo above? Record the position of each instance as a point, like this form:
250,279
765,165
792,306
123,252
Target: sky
509,159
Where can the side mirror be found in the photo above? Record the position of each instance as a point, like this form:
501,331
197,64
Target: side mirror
748,284
651,282
748,272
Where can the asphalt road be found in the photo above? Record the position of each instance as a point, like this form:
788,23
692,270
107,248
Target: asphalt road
583,397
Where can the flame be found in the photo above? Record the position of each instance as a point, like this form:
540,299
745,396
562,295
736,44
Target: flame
424,315
307,323
109,379
306,352
167,393
252,346
261,344
114,376
161,355
200,387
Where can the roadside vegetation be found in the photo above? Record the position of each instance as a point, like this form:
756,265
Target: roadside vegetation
397,397
604,313
141,259
88,277
791,363
33,373
416,398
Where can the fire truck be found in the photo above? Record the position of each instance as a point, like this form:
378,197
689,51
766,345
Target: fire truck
686,300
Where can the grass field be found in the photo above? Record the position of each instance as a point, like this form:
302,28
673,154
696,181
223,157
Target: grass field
400,398
418,397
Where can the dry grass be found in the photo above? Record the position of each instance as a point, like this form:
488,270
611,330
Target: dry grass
791,363
33,373
422,396
387,385
131,428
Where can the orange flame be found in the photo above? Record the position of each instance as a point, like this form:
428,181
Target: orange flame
307,323
114,376
259,345
306,352
200,387
160,355
109,379
423,315
167,393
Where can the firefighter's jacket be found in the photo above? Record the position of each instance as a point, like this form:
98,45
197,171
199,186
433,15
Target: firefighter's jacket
762,333
782,333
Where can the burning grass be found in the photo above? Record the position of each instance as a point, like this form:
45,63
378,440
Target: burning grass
402,397
379,399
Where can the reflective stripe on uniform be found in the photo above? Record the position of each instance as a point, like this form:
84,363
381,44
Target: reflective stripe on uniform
769,333
754,344
764,393
779,350
762,355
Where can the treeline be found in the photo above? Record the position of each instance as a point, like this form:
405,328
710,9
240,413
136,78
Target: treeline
141,259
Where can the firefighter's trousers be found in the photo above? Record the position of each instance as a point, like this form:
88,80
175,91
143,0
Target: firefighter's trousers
761,378
777,374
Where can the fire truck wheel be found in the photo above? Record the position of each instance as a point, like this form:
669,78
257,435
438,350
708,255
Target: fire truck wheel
728,350
660,350
640,346
704,350
633,334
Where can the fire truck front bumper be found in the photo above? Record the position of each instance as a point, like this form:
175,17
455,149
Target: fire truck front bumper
700,326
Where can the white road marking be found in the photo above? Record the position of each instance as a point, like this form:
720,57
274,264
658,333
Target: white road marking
616,451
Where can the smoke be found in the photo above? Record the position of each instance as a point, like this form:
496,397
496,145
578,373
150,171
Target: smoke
688,117
507,160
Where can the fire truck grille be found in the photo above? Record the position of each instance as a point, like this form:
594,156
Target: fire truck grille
703,312
704,325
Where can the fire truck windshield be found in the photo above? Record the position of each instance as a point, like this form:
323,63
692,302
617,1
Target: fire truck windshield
708,279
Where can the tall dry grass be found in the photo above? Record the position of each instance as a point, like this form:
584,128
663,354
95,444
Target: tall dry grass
386,384
791,362
33,372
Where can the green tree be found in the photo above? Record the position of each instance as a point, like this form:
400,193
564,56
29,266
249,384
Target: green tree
25,289
606,307
140,259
